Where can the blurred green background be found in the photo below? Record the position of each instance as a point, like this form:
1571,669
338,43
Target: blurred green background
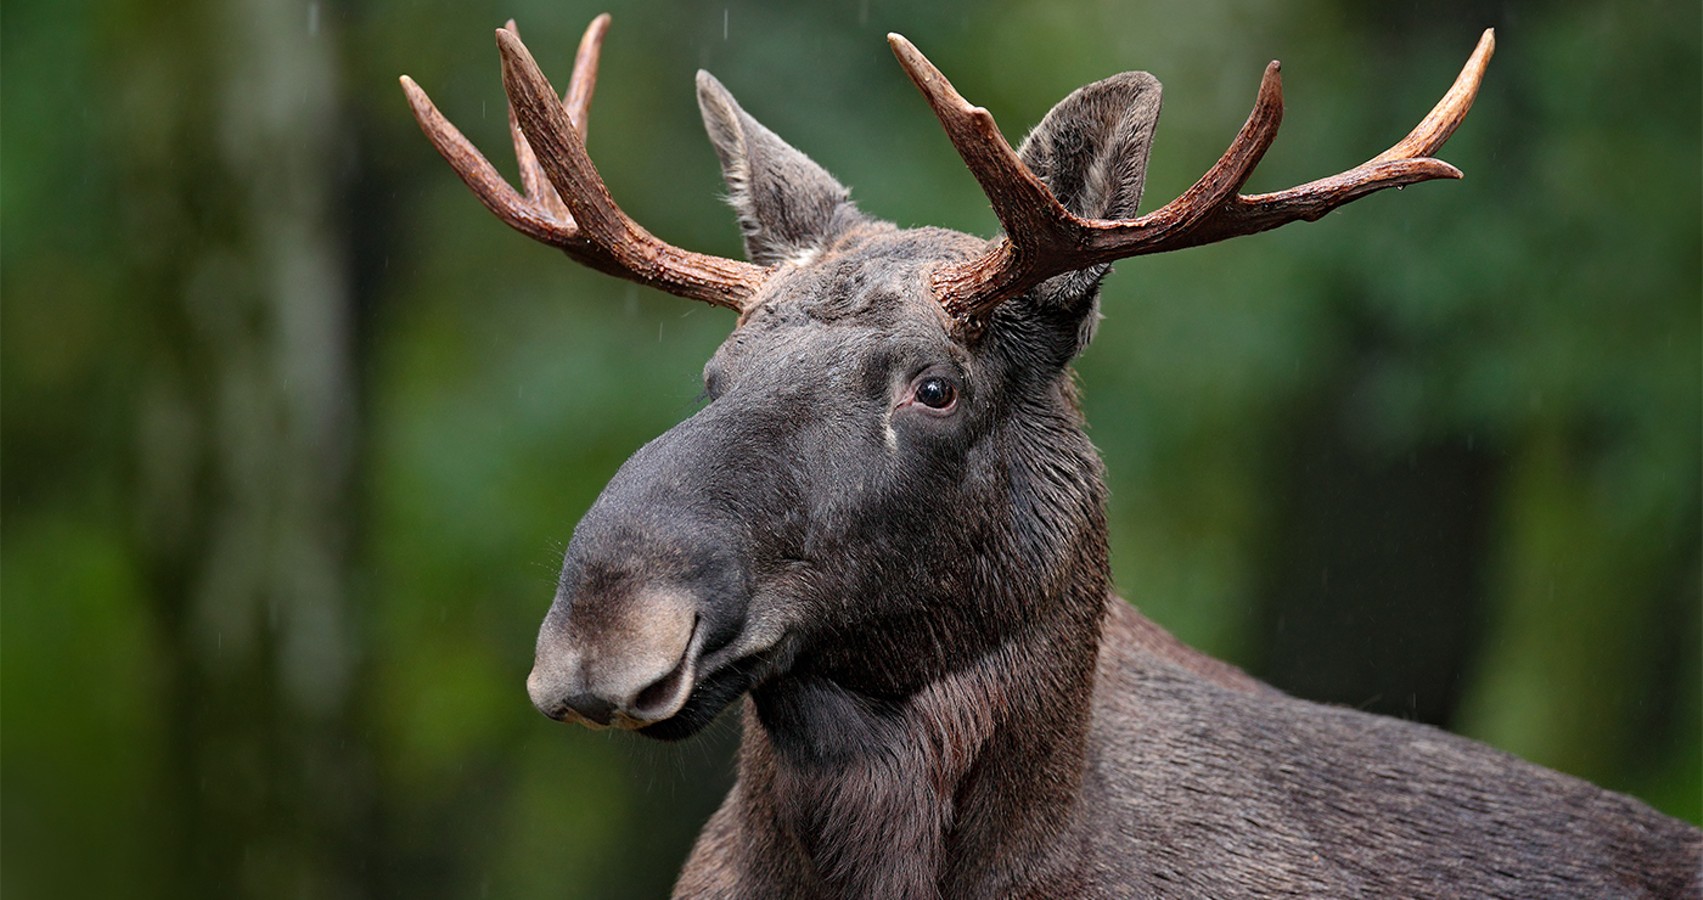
295,432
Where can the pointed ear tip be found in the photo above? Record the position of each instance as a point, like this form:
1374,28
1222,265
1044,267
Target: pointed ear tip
1139,80
712,91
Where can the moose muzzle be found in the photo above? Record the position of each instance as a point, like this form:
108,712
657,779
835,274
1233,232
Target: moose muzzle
624,664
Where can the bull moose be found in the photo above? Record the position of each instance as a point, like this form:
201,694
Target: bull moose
884,535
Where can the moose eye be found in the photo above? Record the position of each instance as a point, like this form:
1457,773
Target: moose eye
935,392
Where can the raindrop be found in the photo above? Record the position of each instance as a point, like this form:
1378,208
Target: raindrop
313,19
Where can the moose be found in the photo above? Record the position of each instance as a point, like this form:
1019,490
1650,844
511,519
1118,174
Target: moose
884,534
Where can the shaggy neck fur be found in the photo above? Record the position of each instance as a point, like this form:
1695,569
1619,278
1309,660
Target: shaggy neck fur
859,792
876,799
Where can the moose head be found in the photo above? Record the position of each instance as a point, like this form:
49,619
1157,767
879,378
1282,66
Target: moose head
890,477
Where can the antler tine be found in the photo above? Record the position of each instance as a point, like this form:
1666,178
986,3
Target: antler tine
577,101
567,204
1026,208
607,239
532,180
540,215
1210,210
583,82
1219,185
480,176
1428,136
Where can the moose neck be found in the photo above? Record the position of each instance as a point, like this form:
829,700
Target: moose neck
901,776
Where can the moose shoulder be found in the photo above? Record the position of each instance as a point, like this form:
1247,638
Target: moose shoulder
884,535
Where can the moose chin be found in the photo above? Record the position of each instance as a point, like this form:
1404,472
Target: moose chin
884,538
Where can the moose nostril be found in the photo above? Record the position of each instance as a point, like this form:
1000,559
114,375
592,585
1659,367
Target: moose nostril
661,697
661,692
590,707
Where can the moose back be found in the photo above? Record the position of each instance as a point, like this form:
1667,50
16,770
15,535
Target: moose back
884,536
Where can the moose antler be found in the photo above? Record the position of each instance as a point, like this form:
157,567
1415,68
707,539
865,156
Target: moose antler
567,204
1043,239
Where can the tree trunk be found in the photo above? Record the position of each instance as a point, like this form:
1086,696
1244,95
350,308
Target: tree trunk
247,444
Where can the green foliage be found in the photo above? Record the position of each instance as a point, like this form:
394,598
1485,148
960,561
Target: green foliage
1537,326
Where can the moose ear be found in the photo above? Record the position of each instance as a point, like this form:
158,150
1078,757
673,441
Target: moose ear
788,205
1091,150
